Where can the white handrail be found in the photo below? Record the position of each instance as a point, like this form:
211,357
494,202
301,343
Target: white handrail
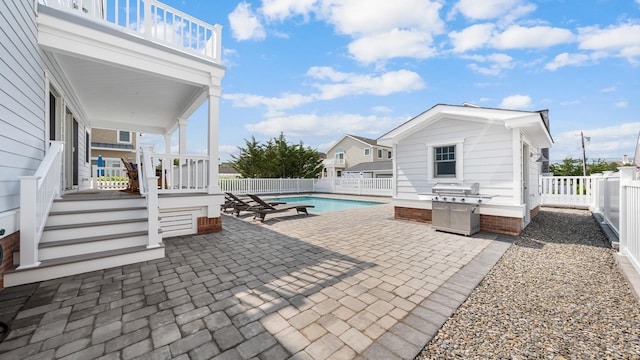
182,173
37,193
152,20
150,181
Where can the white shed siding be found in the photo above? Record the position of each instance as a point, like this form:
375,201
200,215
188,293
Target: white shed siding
487,158
22,123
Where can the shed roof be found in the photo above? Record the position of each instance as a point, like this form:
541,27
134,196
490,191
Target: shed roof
534,123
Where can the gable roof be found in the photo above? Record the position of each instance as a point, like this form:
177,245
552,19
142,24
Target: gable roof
372,166
534,123
364,140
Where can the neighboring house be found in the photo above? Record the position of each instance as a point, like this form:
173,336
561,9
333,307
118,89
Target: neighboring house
69,68
371,169
112,146
499,149
350,151
228,172
636,156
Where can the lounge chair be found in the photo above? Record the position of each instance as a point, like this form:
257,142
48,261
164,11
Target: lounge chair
244,204
265,208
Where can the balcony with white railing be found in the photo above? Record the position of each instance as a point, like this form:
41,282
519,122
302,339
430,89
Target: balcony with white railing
151,20
337,163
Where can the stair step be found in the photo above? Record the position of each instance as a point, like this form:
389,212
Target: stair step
78,264
80,204
83,216
63,248
84,230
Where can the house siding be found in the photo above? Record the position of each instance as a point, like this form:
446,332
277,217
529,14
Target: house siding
22,105
487,158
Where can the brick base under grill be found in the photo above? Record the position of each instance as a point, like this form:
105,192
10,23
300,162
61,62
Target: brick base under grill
488,223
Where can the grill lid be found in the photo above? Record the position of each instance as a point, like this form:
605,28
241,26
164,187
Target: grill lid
456,189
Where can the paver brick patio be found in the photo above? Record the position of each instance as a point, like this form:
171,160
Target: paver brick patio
339,285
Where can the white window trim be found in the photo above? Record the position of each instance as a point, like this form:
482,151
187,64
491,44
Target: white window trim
367,151
380,153
125,142
459,144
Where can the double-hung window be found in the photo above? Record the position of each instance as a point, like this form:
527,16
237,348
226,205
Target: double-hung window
124,137
444,161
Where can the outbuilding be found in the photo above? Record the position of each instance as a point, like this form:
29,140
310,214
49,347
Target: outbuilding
503,151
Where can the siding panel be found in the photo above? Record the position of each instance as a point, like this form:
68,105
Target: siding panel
21,99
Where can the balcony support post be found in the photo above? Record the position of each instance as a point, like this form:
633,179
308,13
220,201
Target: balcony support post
214,112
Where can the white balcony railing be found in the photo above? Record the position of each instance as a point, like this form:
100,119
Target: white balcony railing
152,20
333,162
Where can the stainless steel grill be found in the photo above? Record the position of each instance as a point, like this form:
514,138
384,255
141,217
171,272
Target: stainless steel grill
455,208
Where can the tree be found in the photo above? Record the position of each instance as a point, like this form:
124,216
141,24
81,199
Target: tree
277,159
573,167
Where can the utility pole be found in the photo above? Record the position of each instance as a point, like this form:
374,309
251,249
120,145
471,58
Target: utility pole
584,157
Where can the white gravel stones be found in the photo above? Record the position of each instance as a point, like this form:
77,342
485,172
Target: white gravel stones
556,293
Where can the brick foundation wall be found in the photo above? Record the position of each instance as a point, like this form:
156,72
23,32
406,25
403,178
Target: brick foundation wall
10,244
500,225
488,223
207,225
413,214
534,212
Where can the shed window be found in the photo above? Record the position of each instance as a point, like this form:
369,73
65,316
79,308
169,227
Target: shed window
444,161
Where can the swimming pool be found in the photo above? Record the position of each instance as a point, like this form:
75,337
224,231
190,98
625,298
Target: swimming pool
322,205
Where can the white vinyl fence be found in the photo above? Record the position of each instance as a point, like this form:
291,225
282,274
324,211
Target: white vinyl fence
354,186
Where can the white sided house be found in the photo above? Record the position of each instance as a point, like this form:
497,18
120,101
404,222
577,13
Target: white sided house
128,65
501,150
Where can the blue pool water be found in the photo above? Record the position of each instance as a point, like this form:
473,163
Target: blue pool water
322,205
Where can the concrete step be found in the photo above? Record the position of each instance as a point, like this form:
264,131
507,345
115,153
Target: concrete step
88,216
78,264
92,229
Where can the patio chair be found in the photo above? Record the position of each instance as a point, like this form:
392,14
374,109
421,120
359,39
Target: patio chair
265,208
244,204
132,173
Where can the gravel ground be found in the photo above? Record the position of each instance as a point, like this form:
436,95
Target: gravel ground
556,293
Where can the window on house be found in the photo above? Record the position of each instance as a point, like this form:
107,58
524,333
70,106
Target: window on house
367,151
444,161
388,154
124,137
339,173
379,153
87,148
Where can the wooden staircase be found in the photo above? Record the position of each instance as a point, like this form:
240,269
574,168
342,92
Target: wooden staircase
88,233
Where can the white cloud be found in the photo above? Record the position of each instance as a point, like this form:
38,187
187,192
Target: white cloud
566,59
492,9
384,29
300,125
285,101
609,143
622,104
519,37
610,88
471,38
245,25
382,109
282,9
616,40
367,17
392,44
516,102
496,63
333,84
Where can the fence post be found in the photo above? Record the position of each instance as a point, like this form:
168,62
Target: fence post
626,177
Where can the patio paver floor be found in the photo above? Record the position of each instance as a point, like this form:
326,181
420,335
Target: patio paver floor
342,285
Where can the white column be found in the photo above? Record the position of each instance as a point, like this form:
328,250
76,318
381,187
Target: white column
167,143
214,113
182,123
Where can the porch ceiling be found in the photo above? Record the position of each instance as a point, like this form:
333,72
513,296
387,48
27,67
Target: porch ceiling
117,97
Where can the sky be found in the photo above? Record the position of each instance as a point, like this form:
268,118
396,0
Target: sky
316,70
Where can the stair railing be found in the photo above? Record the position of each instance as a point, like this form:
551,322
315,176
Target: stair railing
149,188
37,193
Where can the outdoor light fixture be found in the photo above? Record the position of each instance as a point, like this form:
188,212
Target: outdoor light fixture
540,157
